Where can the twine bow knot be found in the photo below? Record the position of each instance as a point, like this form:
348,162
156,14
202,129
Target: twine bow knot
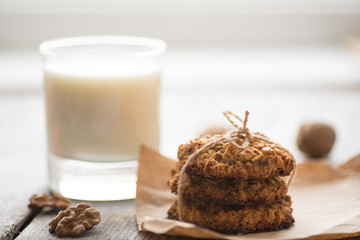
241,131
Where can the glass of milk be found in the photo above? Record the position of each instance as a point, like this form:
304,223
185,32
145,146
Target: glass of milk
102,104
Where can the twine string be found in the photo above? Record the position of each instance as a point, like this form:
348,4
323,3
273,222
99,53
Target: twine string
239,130
291,176
228,116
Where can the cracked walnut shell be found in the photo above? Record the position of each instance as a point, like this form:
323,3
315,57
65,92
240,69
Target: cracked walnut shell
54,201
74,220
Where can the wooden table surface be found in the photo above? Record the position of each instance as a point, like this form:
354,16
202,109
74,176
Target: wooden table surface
276,113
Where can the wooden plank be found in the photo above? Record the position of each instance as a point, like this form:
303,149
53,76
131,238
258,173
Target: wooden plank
118,222
22,159
15,216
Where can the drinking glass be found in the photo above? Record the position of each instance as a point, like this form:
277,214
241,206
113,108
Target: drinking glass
102,103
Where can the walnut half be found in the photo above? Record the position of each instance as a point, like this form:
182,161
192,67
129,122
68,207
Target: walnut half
74,220
54,201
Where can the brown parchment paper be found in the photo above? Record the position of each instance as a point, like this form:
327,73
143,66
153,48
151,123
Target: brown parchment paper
326,201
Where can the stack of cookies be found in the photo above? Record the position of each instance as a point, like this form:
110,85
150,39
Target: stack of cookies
232,183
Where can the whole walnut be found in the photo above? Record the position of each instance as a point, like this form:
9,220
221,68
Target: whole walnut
315,139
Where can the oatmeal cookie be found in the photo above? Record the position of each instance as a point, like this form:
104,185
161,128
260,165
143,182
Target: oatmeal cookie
244,219
231,191
260,158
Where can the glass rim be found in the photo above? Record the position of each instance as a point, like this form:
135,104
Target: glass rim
158,46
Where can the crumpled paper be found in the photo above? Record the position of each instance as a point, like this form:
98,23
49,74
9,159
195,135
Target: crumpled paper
326,201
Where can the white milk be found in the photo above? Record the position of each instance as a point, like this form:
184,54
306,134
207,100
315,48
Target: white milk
101,112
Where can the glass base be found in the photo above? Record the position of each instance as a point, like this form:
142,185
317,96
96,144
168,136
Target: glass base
94,181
